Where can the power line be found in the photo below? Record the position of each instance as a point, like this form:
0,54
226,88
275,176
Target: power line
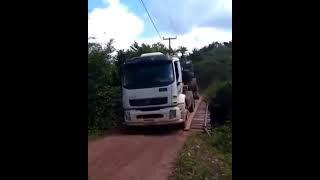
150,18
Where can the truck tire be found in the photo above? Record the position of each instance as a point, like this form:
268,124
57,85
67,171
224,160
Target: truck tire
196,95
182,125
186,77
191,108
194,104
190,100
129,129
193,85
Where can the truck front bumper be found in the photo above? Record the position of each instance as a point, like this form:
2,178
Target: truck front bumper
157,117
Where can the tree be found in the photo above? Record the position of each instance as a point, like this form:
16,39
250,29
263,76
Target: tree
136,50
99,60
182,49
159,47
103,87
217,44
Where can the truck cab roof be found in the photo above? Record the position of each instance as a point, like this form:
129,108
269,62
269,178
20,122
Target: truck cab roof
155,57
152,54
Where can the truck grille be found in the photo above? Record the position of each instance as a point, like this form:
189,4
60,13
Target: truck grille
149,101
147,116
150,108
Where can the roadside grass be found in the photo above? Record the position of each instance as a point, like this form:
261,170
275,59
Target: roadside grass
213,88
94,134
204,157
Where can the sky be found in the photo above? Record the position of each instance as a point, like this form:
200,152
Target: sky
195,23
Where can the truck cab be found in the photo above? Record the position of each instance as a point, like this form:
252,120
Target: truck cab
152,90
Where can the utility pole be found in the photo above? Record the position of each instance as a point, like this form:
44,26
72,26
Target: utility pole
169,42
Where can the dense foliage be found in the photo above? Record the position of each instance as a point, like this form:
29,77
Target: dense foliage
212,63
213,68
104,100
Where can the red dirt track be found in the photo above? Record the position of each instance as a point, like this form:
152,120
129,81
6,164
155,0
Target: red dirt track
135,156
140,154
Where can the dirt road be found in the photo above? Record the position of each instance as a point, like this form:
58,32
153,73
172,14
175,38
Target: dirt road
141,154
137,156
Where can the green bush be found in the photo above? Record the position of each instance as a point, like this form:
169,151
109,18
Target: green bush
104,97
212,65
222,138
105,110
212,90
213,69
108,111
204,157
219,96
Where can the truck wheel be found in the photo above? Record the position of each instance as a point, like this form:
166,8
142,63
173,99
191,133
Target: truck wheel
193,84
182,125
190,101
196,95
187,116
129,129
191,109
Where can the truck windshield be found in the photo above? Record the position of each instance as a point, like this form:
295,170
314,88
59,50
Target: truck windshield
137,76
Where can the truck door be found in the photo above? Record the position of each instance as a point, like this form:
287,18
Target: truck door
177,69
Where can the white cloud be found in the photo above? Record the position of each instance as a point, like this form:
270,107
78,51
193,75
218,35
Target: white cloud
114,21
202,36
117,22
213,13
196,38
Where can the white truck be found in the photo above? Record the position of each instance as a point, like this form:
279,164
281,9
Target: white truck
153,92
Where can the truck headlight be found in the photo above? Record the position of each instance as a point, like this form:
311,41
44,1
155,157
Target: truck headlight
181,106
127,115
174,100
172,114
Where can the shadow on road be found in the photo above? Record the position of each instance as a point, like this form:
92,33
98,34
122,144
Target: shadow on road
152,130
